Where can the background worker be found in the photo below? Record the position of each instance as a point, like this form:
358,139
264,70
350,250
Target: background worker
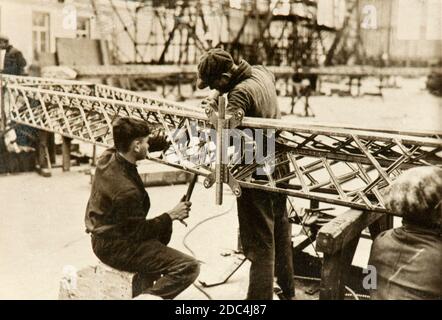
14,64
408,260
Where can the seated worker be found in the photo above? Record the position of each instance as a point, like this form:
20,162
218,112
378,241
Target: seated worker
408,260
116,217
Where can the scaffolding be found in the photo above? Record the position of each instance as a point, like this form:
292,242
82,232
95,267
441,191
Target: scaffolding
274,32
347,45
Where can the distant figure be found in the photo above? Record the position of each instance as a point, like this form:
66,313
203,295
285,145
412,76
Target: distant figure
408,260
116,213
14,63
12,151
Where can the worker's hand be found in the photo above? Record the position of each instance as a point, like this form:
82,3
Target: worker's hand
181,210
209,103
158,141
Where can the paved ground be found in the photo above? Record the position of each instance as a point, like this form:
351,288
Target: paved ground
41,220
41,230
409,108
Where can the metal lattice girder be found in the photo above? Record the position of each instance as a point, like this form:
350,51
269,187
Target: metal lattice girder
341,166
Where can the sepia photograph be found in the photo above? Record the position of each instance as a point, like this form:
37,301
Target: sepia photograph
241,151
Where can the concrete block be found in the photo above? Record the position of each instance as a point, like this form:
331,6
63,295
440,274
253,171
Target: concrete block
99,282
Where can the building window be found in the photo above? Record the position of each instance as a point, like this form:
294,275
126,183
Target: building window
83,28
40,33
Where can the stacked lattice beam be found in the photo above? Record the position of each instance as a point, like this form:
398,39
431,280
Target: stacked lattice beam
341,166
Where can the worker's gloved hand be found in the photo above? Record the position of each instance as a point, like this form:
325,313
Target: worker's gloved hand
181,211
209,103
158,141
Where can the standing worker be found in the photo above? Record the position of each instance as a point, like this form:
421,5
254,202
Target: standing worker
14,64
265,231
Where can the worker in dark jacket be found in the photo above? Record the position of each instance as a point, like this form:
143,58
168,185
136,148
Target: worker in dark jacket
408,260
43,141
265,231
116,216
14,62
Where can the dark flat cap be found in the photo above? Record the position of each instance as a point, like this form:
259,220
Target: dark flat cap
417,195
212,65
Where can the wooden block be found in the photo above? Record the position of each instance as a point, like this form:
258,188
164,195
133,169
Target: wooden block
334,271
336,234
99,282
338,240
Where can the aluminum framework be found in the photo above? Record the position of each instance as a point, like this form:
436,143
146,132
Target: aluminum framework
342,166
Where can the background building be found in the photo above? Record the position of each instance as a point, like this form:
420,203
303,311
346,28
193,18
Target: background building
277,32
409,32
34,25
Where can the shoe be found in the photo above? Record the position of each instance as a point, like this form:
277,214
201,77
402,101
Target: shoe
279,295
45,172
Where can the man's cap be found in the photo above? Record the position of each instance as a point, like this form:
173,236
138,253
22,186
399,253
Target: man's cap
4,37
212,65
417,195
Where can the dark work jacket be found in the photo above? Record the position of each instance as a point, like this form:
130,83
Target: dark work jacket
408,262
252,89
119,203
14,62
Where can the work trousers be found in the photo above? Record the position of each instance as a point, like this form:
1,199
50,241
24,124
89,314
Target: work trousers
159,270
265,234
45,148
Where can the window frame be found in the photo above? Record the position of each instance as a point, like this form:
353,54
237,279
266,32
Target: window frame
41,35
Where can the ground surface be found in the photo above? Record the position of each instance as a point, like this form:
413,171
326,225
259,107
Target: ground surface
41,219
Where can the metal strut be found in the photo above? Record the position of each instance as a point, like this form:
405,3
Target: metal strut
222,174
344,166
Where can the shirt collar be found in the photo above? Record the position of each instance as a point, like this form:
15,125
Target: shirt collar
420,229
243,72
124,162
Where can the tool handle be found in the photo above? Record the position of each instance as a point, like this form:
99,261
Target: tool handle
189,193
220,141
191,187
